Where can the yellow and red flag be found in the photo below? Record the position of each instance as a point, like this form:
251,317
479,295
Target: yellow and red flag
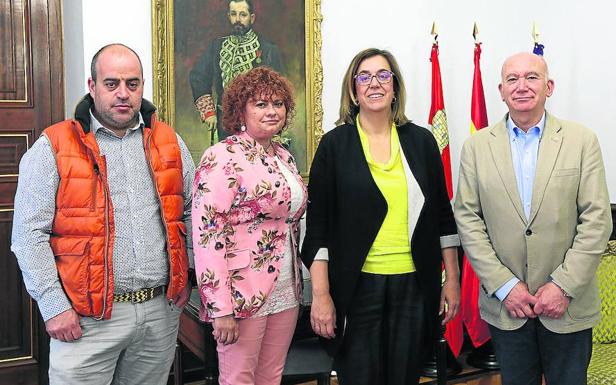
477,328
438,122
438,119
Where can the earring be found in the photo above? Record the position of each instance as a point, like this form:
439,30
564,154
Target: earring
393,100
243,128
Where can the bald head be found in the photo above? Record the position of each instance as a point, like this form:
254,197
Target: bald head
526,57
115,48
524,87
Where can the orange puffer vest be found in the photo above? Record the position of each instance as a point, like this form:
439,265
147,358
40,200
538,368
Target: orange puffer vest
83,227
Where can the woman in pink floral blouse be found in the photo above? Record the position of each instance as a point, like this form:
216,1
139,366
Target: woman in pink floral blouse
248,198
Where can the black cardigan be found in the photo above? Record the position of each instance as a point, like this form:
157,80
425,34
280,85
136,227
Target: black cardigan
346,210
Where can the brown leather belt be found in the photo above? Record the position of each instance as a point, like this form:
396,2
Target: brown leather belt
139,296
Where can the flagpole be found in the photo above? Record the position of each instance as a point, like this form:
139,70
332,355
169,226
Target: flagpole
538,47
441,362
441,350
482,355
452,333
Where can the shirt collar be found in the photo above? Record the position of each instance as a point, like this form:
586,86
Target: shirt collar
515,131
95,125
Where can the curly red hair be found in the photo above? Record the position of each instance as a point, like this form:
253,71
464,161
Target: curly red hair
260,82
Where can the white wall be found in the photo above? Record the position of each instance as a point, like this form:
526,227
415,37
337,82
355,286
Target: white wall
578,36
73,53
89,25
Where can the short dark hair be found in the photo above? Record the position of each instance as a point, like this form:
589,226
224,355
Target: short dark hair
251,8
97,54
257,83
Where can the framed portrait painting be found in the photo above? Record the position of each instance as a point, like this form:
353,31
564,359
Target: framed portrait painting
199,46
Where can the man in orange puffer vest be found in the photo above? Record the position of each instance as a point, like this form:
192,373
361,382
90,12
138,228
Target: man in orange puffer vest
102,216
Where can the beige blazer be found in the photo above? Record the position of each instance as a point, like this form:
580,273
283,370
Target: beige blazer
569,225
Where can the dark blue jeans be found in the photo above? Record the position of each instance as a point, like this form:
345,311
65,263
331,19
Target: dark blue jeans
532,350
383,338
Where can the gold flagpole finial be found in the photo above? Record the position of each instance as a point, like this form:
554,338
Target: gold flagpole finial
475,31
535,33
434,31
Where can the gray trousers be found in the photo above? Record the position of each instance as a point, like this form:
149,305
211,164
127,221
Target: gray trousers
135,346
532,350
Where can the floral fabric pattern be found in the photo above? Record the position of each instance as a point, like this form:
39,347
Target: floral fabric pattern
241,207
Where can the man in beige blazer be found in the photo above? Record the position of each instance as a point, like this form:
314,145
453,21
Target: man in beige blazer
533,214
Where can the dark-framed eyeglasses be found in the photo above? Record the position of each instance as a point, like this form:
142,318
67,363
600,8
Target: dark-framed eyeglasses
365,78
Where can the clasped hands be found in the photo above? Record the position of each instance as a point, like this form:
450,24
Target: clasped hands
548,301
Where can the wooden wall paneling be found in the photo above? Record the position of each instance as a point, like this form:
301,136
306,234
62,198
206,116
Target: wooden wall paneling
15,79
31,98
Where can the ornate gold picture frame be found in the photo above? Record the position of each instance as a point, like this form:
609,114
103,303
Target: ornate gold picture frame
183,30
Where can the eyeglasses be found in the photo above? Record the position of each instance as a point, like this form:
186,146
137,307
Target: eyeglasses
365,78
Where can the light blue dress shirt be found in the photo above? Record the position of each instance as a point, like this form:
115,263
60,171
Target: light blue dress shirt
524,151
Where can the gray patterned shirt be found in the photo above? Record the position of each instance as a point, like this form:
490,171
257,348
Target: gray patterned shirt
139,255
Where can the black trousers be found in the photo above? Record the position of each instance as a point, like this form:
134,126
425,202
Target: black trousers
532,350
383,338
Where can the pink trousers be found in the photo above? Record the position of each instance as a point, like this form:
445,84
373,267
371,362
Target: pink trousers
258,356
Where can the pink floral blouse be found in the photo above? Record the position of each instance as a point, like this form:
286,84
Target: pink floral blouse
240,221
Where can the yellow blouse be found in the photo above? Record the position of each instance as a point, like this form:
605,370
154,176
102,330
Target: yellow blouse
391,251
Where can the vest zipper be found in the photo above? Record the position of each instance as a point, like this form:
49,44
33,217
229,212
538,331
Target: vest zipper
106,256
97,173
105,192
162,213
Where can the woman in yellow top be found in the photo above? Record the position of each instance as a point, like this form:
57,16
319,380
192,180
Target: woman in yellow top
379,224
